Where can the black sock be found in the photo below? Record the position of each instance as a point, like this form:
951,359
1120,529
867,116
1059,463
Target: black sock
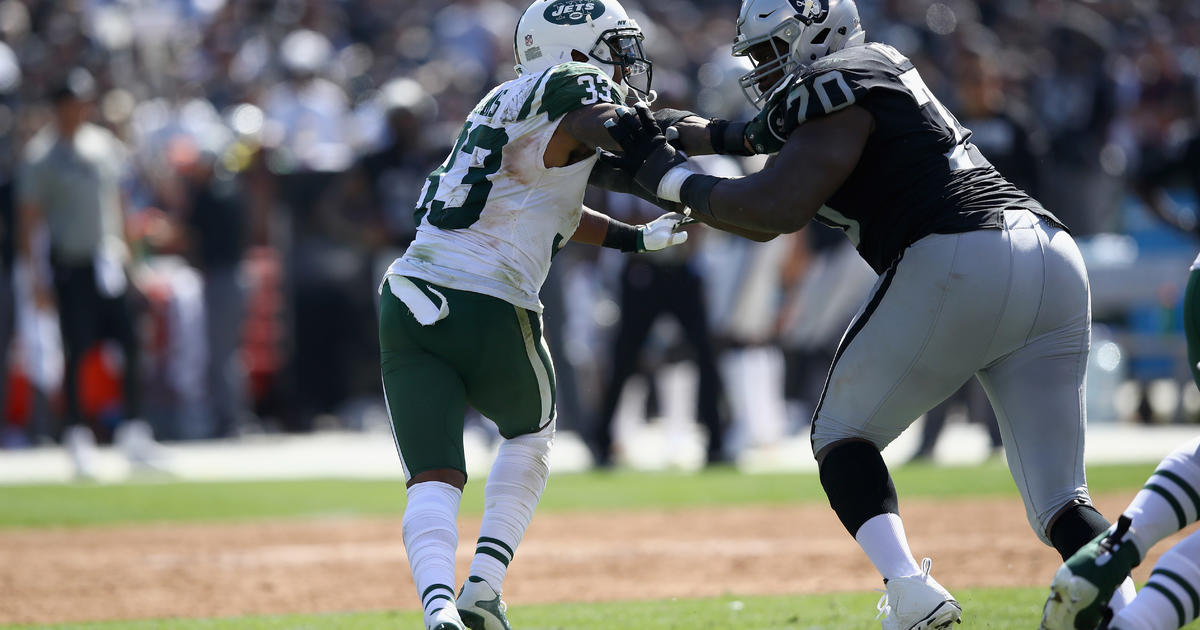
1076,527
858,484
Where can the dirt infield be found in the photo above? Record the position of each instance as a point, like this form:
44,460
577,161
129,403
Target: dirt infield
217,570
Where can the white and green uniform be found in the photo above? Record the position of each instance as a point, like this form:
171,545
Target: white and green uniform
492,215
460,322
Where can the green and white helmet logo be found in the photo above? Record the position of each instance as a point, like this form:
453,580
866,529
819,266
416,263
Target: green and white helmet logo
570,12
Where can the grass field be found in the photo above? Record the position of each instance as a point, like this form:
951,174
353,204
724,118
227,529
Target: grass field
88,505
992,609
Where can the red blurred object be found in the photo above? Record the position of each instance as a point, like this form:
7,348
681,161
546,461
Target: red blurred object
100,382
18,406
263,330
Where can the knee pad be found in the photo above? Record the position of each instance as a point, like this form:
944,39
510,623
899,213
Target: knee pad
523,460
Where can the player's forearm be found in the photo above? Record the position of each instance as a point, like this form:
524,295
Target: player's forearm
754,235
758,203
586,126
699,136
593,226
694,136
786,195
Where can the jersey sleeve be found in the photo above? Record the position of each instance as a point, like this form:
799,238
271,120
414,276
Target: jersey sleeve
829,86
571,86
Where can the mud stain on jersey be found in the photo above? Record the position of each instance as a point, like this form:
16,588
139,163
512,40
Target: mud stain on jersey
519,161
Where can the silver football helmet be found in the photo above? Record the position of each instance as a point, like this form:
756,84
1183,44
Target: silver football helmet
798,31
550,30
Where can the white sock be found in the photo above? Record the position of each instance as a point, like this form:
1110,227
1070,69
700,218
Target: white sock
513,490
1123,595
882,538
1170,599
431,538
1170,500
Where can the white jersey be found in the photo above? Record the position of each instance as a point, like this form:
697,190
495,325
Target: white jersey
492,215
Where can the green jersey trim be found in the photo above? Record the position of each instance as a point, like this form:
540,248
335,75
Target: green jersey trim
574,85
533,95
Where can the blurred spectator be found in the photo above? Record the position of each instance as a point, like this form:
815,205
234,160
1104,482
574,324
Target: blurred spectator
393,174
652,285
307,133
9,433
70,185
217,219
742,281
1076,99
354,103
1000,126
825,281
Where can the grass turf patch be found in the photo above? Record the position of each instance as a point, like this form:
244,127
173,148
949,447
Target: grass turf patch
991,609
89,504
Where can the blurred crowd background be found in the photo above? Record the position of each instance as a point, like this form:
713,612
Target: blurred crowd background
269,154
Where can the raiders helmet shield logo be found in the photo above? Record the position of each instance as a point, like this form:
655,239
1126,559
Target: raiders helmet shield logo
570,12
809,11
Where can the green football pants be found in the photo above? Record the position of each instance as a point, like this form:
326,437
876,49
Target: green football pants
484,352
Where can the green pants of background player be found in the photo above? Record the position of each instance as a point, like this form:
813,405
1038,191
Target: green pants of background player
486,353
1191,322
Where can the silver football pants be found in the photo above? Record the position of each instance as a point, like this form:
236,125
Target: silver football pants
1009,306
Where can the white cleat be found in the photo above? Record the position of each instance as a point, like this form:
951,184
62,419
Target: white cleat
481,607
446,619
918,602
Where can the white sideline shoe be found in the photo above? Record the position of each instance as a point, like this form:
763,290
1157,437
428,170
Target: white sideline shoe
80,443
481,607
918,602
135,439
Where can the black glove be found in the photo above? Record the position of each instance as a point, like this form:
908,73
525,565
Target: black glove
607,174
645,152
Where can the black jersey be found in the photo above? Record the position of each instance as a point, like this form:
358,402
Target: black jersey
918,175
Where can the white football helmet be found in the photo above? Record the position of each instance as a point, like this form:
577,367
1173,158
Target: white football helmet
807,30
550,30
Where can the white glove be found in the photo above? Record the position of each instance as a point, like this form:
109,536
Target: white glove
662,232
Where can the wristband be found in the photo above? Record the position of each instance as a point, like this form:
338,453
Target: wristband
621,236
670,117
728,138
696,191
672,181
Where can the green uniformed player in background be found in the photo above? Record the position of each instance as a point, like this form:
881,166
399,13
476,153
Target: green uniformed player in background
1082,589
460,317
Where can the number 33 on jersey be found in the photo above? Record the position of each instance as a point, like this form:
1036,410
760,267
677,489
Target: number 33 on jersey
492,212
